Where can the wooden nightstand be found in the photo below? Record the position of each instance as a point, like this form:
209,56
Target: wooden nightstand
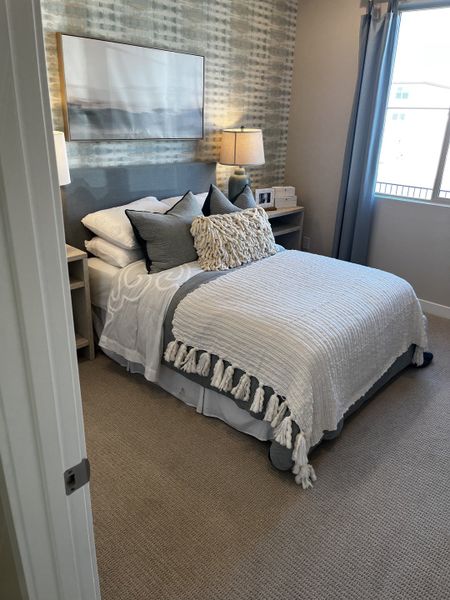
81,300
287,226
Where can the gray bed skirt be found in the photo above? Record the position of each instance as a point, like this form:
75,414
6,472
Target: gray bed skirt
280,456
191,389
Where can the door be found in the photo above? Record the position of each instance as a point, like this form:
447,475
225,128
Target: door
41,424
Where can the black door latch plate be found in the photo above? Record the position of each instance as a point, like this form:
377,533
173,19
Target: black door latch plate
77,476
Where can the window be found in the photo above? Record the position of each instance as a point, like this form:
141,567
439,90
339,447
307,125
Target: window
414,160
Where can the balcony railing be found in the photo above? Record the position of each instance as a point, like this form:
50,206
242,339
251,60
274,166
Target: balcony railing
408,191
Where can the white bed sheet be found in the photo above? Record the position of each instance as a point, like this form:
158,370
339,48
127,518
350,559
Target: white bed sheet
101,279
136,311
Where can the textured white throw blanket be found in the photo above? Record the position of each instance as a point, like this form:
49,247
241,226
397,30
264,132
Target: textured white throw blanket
318,331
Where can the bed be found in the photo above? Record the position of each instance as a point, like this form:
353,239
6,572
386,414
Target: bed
129,300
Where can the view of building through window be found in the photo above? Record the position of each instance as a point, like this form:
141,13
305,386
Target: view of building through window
417,128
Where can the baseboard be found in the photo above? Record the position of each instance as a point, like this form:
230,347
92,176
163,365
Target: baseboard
438,310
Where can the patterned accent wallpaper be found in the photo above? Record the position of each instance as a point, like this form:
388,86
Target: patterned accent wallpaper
248,48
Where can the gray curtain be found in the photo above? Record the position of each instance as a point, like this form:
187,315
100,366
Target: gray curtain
378,43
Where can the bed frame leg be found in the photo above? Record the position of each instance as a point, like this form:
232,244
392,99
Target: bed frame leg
280,457
427,359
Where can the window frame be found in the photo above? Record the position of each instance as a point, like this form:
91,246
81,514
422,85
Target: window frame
436,195
444,155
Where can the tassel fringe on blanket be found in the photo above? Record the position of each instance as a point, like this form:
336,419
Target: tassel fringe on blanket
278,415
204,364
190,362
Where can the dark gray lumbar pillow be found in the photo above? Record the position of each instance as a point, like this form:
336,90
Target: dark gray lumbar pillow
244,199
166,238
217,203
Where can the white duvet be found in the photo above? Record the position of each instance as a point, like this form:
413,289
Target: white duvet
318,331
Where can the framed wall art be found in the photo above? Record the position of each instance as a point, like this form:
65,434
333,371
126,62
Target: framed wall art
117,91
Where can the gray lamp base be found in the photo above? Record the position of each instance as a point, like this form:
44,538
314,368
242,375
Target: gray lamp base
237,183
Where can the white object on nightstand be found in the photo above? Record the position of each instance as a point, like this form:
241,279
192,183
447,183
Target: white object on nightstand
283,191
81,299
288,202
287,226
284,196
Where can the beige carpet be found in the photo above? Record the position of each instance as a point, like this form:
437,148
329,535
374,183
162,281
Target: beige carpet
187,508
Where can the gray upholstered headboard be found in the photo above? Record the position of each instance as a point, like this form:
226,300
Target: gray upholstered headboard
95,188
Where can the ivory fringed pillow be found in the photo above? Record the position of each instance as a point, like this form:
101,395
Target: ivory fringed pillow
230,240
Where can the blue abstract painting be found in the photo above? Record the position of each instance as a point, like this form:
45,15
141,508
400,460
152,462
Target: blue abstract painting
119,91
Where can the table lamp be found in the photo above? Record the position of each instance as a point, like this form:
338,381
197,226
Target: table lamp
61,158
241,147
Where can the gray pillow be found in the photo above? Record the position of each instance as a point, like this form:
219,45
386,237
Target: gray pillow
244,199
217,203
166,238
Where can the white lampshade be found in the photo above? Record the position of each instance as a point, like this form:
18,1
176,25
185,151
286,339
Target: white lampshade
61,158
242,147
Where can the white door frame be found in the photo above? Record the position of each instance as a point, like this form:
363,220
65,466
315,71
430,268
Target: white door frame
41,424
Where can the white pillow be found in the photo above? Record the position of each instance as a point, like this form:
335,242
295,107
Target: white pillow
113,225
170,202
112,254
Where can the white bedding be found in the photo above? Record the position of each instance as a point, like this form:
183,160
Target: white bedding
136,310
319,332
101,278
137,297
138,303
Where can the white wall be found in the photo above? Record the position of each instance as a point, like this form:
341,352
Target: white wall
325,68
412,240
409,239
